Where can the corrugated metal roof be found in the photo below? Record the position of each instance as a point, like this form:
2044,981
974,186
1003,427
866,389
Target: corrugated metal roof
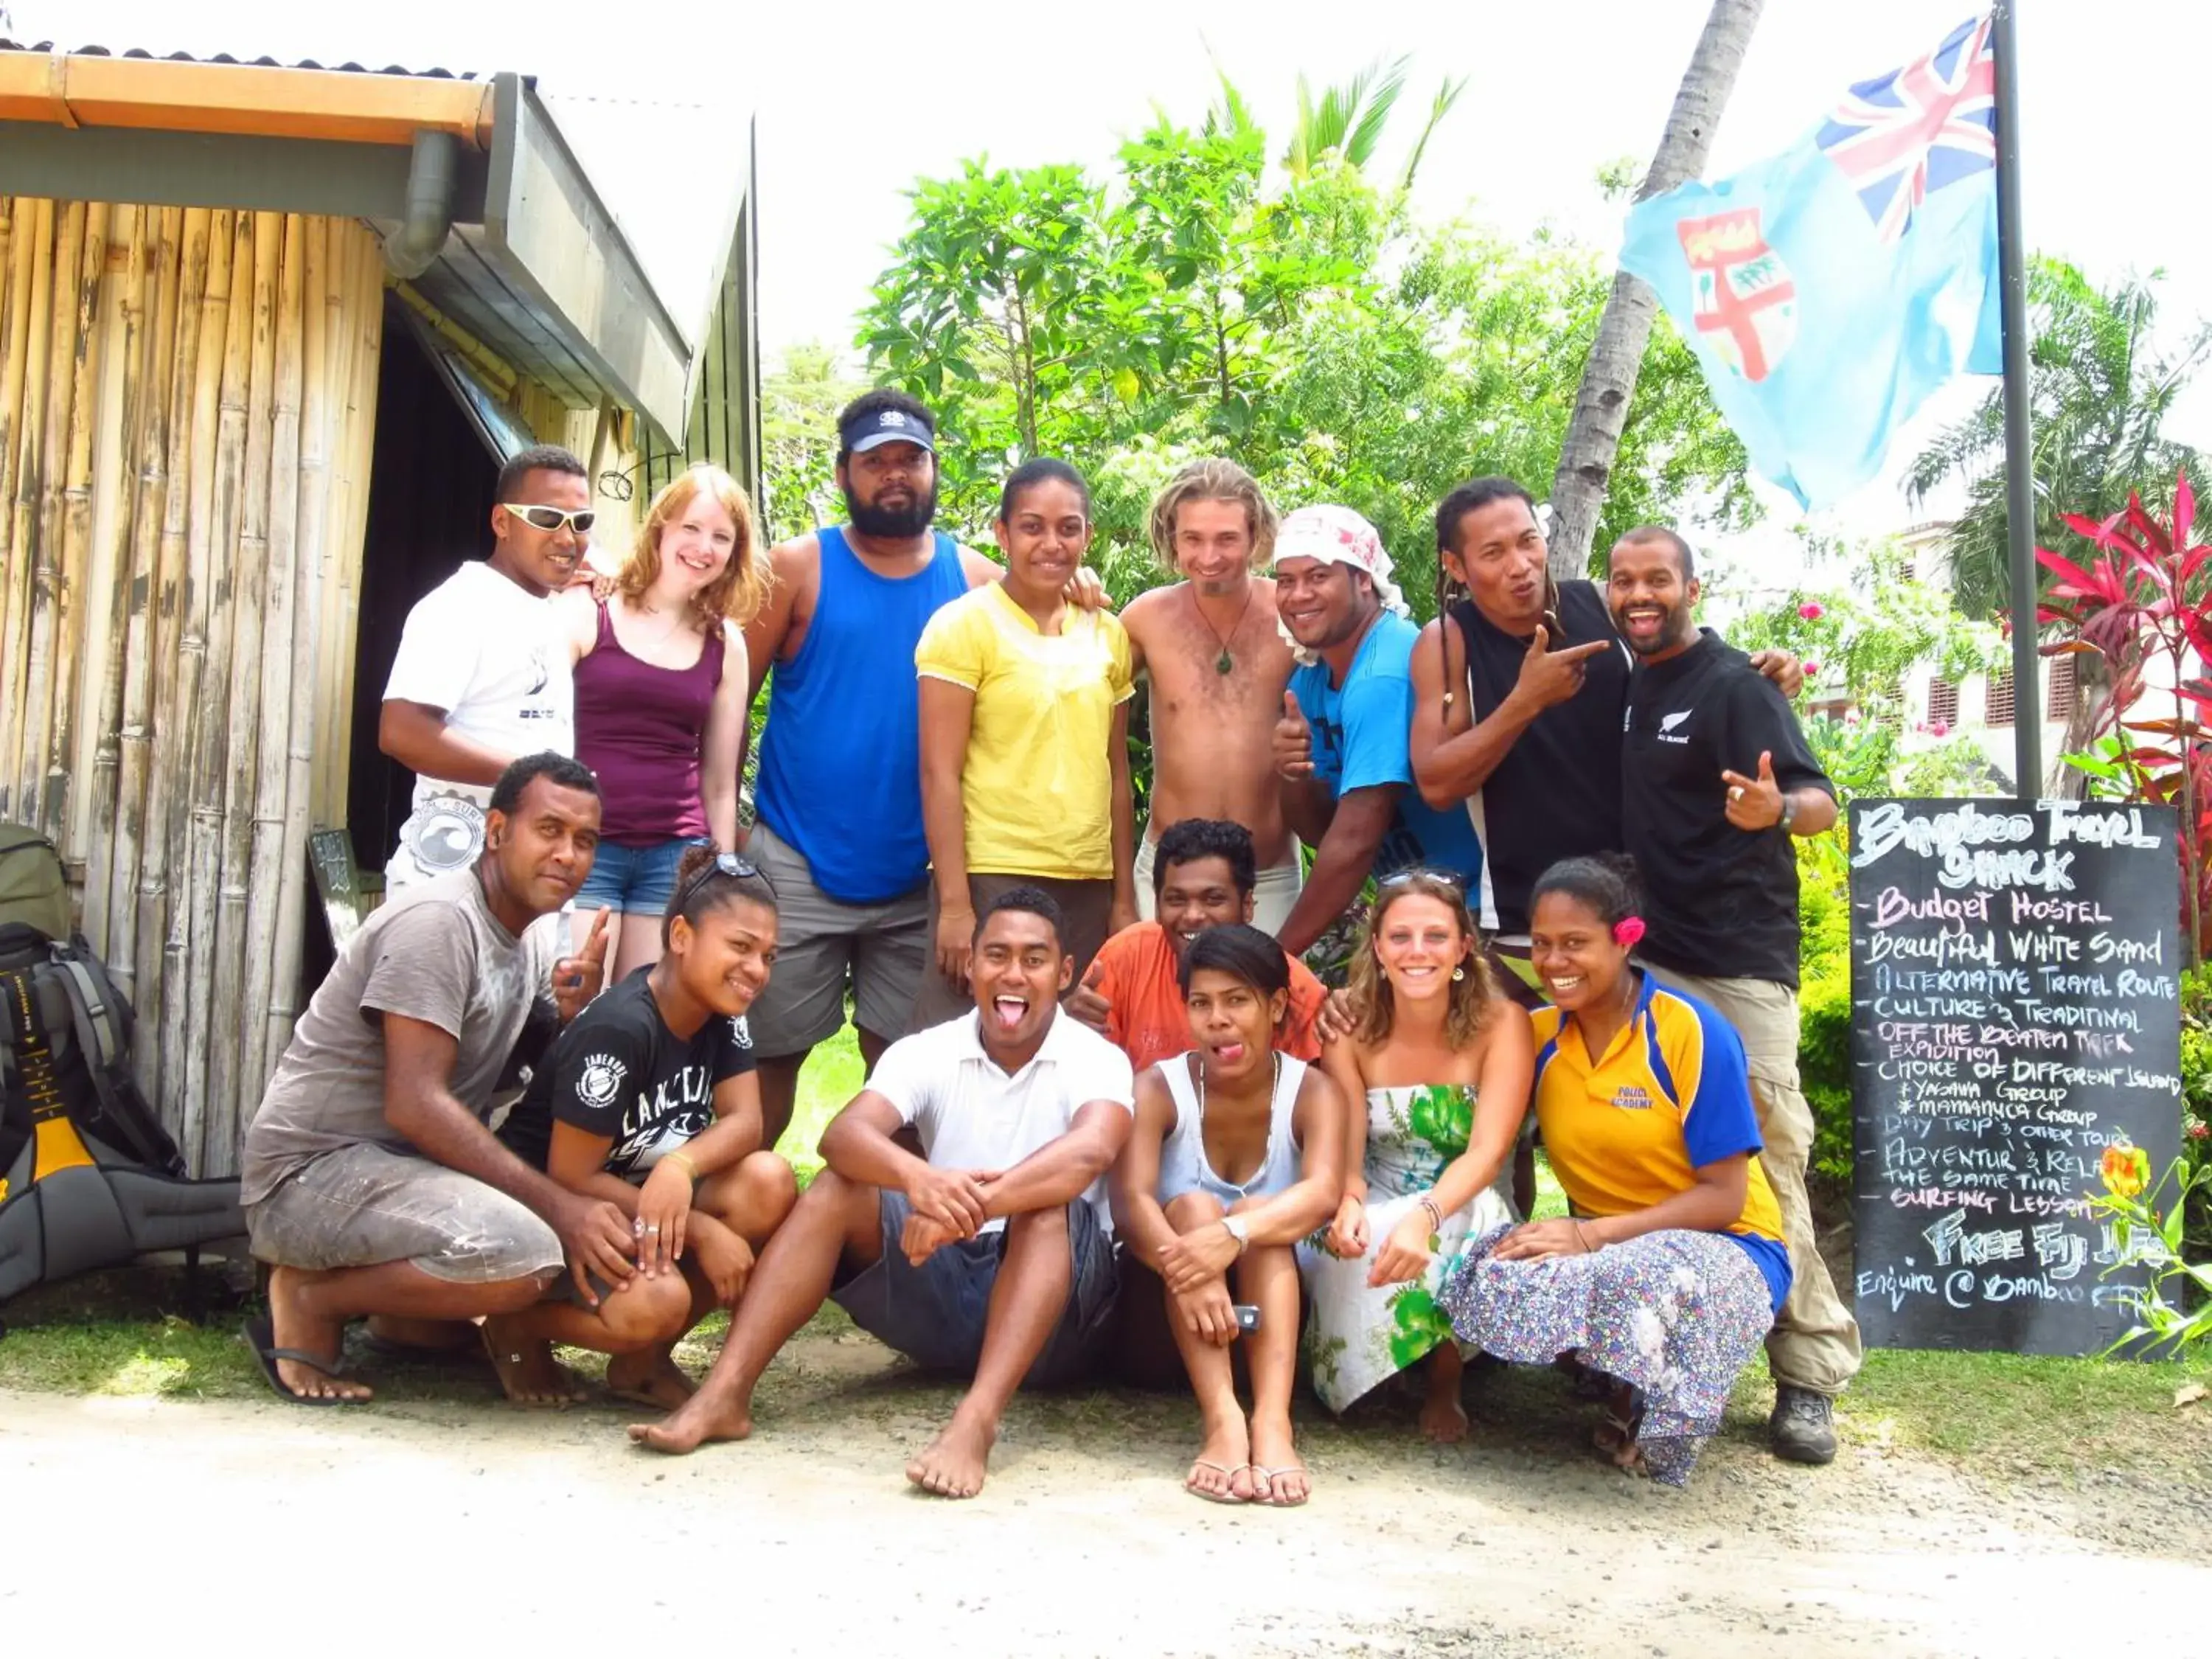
47,48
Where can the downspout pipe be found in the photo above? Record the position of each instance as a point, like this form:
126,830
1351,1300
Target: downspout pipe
432,175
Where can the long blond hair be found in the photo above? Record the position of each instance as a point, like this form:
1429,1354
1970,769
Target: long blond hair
737,593
1473,998
1213,480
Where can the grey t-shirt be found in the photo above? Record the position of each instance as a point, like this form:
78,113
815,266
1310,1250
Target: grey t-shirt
435,952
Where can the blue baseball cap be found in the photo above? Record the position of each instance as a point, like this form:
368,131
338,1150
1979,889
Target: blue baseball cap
885,426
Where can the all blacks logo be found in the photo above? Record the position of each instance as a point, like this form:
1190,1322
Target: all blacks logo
444,834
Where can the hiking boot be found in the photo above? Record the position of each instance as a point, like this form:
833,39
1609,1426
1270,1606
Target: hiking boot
1803,1429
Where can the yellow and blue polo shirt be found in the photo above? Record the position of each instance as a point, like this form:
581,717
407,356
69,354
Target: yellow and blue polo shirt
1670,1094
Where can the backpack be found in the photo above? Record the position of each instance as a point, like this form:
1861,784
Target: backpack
88,1177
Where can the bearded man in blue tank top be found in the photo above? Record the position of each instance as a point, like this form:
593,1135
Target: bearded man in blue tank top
838,798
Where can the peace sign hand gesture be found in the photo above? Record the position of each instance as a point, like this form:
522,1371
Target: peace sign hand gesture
577,979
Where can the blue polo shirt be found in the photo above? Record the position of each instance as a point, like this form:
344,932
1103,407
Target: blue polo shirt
1360,730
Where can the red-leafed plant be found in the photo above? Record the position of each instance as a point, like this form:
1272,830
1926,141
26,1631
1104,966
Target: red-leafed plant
2145,596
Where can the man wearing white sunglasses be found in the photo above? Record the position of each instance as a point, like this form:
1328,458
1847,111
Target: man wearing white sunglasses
481,677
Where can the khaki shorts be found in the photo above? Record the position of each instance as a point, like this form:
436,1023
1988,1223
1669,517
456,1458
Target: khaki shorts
365,1204
820,946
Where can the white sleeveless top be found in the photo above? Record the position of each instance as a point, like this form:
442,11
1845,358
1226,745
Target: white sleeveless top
1184,1168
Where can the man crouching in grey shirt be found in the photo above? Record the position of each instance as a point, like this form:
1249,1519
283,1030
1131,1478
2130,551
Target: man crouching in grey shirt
371,1183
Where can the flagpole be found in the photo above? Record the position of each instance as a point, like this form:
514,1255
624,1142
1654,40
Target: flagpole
2028,703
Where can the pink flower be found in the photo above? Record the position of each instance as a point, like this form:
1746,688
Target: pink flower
1812,611
2200,1131
1939,729
1812,669
1851,717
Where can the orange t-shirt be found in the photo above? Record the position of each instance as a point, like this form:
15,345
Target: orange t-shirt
1135,972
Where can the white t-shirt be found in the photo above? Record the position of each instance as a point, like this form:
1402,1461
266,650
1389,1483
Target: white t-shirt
490,653
971,1115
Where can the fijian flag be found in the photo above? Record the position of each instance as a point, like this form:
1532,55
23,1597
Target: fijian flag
1829,290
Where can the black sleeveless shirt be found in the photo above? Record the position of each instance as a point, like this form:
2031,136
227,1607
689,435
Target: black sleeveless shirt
1557,794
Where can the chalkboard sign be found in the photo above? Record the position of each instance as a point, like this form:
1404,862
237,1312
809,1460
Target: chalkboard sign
2015,991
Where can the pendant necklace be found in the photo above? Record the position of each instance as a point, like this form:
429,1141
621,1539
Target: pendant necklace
1225,664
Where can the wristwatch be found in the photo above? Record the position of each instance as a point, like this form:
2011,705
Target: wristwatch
1239,1230
1789,812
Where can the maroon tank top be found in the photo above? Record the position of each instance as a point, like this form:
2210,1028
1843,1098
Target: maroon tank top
639,727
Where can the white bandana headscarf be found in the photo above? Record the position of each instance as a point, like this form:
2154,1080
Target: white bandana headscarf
1337,535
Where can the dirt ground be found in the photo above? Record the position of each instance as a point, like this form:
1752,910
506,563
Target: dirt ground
475,1528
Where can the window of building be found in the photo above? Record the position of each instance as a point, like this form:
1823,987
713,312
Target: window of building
2062,688
2001,699
1942,702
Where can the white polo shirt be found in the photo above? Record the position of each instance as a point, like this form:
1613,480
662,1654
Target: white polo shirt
971,1115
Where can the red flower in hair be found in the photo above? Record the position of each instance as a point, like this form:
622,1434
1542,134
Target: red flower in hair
1627,931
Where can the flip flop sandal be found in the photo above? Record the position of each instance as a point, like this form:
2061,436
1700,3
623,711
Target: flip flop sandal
1228,1469
1266,1477
261,1337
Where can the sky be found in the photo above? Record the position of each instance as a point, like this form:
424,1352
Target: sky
854,102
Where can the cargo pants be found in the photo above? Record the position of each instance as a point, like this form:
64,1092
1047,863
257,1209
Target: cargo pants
1814,1343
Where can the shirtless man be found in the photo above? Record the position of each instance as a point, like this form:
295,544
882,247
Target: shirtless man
1217,665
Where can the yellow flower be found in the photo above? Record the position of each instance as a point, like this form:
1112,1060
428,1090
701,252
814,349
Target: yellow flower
2126,1169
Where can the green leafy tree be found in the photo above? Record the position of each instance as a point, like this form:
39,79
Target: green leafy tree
2101,390
799,403
1308,325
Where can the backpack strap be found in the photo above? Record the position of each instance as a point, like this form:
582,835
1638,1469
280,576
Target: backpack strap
92,1016
95,1007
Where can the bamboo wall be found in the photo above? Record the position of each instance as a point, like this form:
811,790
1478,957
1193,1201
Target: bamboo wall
187,401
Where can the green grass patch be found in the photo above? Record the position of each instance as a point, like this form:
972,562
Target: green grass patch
2020,1415
833,1074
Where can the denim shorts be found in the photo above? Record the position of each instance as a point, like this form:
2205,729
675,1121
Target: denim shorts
635,880
934,1314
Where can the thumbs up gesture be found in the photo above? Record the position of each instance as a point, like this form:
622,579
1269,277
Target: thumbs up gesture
1293,742
1754,804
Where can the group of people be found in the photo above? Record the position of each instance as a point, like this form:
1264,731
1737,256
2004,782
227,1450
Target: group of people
1107,1106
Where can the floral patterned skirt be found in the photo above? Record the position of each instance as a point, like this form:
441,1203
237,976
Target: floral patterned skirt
1675,1315
1358,1336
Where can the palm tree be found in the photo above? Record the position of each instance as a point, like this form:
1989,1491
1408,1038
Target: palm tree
1346,124
1593,437
2101,390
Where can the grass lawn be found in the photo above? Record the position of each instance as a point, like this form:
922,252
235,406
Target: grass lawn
832,1076
2004,1416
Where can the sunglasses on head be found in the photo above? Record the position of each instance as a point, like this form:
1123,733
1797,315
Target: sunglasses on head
1441,878
725,863
551,518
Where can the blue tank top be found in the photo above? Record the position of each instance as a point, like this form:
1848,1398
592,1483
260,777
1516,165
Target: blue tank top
841,757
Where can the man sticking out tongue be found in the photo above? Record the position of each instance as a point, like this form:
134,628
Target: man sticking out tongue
992,1252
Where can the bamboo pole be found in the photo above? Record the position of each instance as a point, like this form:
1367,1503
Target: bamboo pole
25,235
170,746
30,245
273,832
95,758
311,566
43,485
228,1015
214,540
53,787
167,344
369,302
